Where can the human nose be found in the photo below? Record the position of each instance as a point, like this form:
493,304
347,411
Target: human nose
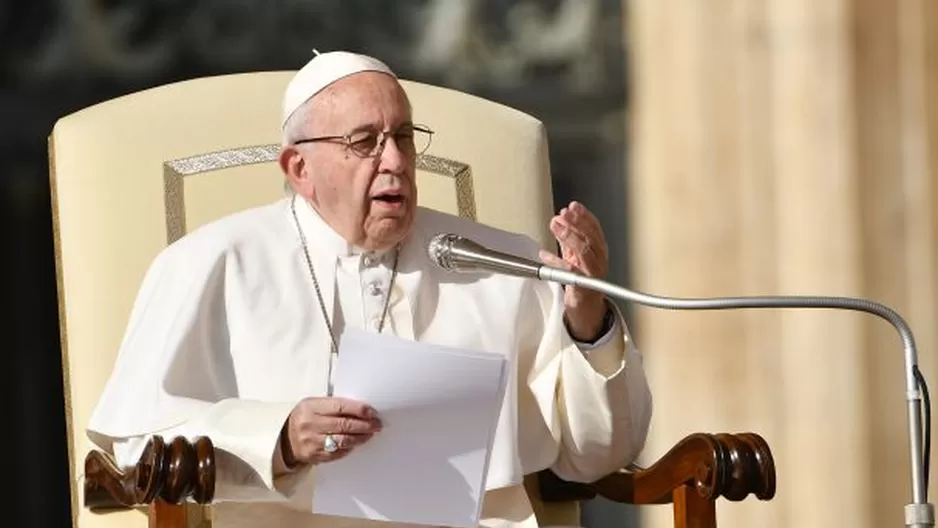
393,159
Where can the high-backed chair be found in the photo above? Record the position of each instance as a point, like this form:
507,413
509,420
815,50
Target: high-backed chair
131,175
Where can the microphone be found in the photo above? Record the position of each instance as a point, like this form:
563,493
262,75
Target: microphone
456,253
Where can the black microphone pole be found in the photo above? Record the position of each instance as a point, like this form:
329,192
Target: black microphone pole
919,513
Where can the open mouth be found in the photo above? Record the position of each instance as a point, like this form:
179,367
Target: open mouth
389,198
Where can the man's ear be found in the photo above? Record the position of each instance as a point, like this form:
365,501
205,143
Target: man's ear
293,166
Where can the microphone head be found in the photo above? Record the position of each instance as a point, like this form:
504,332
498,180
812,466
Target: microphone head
440,249
457,253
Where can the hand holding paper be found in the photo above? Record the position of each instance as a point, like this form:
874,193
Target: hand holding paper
313,419
439,408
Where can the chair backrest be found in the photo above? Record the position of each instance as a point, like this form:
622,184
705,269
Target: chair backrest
130,175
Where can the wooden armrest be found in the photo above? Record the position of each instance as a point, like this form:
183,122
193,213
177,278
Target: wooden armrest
696,472
732,466
173,474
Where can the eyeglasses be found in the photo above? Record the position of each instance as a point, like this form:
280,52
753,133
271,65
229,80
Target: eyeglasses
370,143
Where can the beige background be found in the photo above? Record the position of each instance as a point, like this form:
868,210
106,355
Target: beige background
787,147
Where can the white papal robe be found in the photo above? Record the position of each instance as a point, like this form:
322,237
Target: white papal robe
226,336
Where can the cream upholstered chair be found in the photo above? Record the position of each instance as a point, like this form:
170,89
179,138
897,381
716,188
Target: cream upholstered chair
131,175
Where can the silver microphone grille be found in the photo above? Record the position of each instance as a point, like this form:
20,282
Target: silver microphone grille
440,249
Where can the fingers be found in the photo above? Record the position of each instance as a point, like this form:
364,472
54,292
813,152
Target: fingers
311,449
553,260
584,220
316,446
342,415
350,423
573,243
344,407
577,228
346,425
581,239
345,442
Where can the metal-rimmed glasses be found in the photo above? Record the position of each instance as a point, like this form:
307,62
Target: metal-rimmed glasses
370,143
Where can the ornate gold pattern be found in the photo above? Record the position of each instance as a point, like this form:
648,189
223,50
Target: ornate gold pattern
174,202
461,173
174,171
224,159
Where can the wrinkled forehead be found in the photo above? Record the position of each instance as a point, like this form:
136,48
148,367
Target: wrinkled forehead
367,99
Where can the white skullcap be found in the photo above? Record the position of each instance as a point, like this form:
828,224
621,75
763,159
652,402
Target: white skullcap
323,70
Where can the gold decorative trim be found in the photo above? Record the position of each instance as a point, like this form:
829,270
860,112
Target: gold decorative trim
174,202
63,334
174,171
224,159
461,173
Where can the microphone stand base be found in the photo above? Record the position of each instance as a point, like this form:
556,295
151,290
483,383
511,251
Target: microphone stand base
920,515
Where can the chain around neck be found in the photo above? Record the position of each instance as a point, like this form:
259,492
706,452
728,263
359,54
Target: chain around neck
322,304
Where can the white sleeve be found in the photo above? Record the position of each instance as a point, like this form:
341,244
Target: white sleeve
174,377
598,404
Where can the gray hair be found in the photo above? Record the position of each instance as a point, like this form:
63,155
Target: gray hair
293,130
295,125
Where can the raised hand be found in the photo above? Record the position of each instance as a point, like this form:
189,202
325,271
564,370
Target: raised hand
582,249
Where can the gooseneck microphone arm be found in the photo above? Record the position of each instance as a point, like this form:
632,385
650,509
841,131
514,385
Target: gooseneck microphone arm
456,253
918,514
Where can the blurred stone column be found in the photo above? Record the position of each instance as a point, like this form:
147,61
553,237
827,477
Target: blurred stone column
787,147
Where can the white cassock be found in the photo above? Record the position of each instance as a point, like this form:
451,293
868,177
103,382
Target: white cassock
227,335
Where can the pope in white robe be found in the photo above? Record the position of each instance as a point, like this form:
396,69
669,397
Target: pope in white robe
230,334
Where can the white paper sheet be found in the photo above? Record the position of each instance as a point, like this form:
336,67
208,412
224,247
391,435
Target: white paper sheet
439,408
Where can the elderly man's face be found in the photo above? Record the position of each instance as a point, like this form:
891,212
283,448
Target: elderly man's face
368,198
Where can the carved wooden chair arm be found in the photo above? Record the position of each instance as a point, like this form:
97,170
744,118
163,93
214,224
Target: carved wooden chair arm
174,473
696,472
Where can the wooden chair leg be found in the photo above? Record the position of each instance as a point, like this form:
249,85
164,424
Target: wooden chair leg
162,514
693,511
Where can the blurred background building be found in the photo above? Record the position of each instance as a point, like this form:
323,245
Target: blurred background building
729,147
562,61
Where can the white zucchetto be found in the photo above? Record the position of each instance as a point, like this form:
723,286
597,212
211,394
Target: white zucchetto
323,70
